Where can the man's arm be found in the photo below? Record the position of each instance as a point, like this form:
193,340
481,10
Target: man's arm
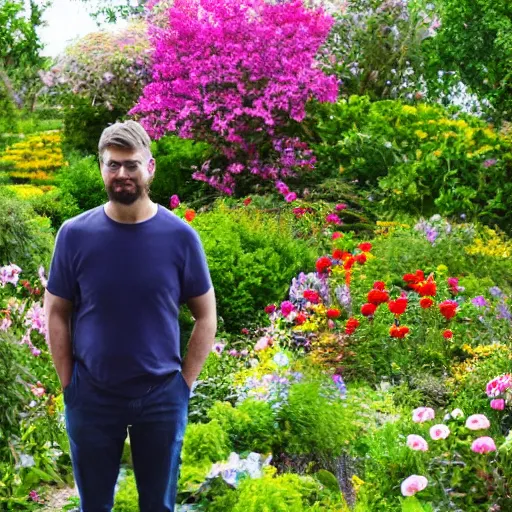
58,320
204,311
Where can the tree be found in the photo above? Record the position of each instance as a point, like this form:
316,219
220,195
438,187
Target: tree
238,76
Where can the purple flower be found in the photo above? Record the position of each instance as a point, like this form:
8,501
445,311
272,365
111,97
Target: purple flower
504,312
479,301
431,235
495,291
490,162
291,196
174,202
286,308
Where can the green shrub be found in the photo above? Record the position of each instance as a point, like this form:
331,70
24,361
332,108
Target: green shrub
422,159
252,258
127,497
57,205
25,239
250,426
174,160
205,442
83,182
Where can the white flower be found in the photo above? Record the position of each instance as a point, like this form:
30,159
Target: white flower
281,359
457,413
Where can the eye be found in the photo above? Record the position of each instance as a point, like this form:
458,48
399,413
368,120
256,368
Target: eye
113,166
131,167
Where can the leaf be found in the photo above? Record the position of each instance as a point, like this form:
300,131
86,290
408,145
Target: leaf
412,504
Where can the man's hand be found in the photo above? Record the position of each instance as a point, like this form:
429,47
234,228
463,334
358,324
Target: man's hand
204,311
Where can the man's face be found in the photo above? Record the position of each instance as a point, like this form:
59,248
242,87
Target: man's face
126,173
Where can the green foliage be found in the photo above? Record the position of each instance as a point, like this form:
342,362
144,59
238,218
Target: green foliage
127,498
57,205
25,239
174,160
83,182
252,258
84,122
205,442
251,426
423,159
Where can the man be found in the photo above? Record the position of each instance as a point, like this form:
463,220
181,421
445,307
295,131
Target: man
118,276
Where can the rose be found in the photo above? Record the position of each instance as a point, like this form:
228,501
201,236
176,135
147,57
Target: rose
368,309
323,265
448,334
439,432
448,309
398,306
174,201
333,313
398,331
286,308
498,404
477,422
422,414
378,296
365,246
483,445
417,443
413,484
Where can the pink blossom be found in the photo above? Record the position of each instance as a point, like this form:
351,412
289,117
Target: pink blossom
34,496
477,422
413,484
263,343
498,385
422,414
286,308
341,206
6,323
483,445
290,197
38,390
417,443
439,432
498,404
36,319
42,277
174,202
9,274
332,218
218,348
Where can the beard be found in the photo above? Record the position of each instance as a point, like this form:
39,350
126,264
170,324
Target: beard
126,194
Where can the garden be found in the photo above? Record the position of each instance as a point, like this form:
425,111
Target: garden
348,168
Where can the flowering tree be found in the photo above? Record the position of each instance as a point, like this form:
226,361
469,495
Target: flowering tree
238,76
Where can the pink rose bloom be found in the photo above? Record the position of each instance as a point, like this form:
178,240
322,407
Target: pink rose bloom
498,404
439,432
286,308
413,484
417,443
291,196
341,206
175,202
332,218
422,414
477,422
483,445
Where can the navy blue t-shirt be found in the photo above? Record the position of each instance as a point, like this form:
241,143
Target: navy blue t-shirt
126,282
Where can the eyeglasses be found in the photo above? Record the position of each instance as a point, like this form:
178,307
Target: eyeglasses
130,166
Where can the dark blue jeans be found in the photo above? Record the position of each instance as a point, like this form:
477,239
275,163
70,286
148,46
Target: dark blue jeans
97,424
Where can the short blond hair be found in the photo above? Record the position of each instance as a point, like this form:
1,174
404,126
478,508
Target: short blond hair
129,135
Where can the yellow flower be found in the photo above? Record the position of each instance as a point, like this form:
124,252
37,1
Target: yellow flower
408,109
442,268
438,153
449,134
342,169
418,154
421,134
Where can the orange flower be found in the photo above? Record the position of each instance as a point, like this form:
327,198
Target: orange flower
190,215
398,331
349,263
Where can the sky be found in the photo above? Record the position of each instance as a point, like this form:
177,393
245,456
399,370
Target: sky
66,20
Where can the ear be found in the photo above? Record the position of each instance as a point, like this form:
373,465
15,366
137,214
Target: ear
151,166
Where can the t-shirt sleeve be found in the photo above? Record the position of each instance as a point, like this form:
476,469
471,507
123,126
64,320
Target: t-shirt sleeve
61,279
195,277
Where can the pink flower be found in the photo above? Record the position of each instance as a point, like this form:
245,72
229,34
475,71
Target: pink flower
439,432
290,197
498,385
262,343
483,445
218,348
332,218
38,390
9,274
477,422
422,414
413,484
286,308
498,404
417,443
174,202
340,207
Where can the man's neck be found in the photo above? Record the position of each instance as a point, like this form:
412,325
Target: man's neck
139,211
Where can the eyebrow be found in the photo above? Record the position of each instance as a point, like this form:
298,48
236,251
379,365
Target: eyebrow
124,162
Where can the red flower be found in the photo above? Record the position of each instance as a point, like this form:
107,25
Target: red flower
427,288
323,265
448,334
361,258
349,263
311,296
398,331
379,285
337,254
300,318
365,246
398,306
247,201
378,296
413,280
190,215
333,313
426,302
336,235
270,309
448,309
368,309
351,325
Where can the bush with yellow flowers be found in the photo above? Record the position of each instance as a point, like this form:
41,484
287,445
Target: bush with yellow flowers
34,158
